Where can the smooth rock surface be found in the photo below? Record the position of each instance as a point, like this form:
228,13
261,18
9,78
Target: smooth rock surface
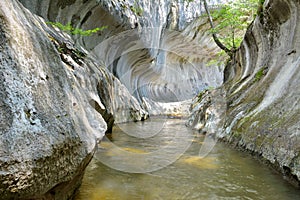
262,90
52,96
142,45
171,109
47,133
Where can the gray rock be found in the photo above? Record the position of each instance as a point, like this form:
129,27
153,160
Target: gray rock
171,109
48,135
263,89
266,88
161,63
52,95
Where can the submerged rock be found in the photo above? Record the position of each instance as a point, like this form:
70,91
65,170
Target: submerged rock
263,89
52,96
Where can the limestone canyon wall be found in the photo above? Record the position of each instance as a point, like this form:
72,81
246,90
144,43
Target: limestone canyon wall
53,98
264,91
142,45
59,94
258,108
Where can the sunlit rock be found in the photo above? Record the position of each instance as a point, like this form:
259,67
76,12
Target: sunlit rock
172,109
51,105
263,89
48,133
157,50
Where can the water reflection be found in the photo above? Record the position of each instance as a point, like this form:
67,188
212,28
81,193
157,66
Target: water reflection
143,154
223,174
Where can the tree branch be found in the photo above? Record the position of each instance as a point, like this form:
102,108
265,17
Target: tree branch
215,37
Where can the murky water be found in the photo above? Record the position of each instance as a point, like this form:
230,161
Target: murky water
146,146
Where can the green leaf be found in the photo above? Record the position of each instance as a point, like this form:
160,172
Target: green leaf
233,19
76,31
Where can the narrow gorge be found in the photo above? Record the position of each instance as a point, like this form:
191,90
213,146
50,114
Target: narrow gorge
61,93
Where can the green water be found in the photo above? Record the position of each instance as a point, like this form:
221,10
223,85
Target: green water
146,146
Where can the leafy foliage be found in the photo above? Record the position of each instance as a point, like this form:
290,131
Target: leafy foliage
76,31
137,9
232,20
217,61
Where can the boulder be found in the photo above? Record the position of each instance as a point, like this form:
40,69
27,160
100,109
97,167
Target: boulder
52,98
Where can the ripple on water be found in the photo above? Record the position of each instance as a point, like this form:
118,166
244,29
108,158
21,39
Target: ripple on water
223,174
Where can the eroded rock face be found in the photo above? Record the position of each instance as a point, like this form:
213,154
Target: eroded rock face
172,109
52,96
142,46
263,89
47,135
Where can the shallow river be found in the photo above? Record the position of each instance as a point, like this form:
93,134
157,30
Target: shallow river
159,159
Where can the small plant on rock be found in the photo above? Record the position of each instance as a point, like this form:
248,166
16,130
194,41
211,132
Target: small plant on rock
76,31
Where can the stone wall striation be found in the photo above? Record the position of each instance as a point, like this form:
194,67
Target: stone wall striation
261,94
53,98
157,49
